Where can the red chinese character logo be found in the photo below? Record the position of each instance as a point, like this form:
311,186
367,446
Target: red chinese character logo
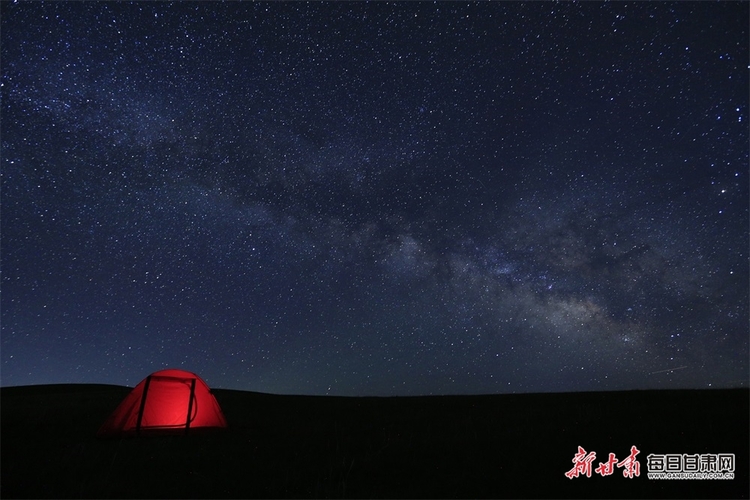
608,467
582,463
632,468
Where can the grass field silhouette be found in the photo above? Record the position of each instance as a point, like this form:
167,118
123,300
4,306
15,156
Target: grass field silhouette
494,446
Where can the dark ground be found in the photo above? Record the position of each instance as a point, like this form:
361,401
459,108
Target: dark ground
299,446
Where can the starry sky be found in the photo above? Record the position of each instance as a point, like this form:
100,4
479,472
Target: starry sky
376,198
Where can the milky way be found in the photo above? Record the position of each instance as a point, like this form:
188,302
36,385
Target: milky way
376,199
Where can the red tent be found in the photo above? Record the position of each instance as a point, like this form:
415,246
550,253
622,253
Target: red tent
168,401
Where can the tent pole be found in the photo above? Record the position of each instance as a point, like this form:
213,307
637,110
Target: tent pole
190,405
143,406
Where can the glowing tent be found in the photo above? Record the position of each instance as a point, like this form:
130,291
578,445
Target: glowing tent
165,402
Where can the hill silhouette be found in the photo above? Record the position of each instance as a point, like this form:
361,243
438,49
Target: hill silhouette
495,446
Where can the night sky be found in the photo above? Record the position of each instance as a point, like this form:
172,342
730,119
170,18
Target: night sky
376,198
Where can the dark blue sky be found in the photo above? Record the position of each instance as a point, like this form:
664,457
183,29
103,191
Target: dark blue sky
376,198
